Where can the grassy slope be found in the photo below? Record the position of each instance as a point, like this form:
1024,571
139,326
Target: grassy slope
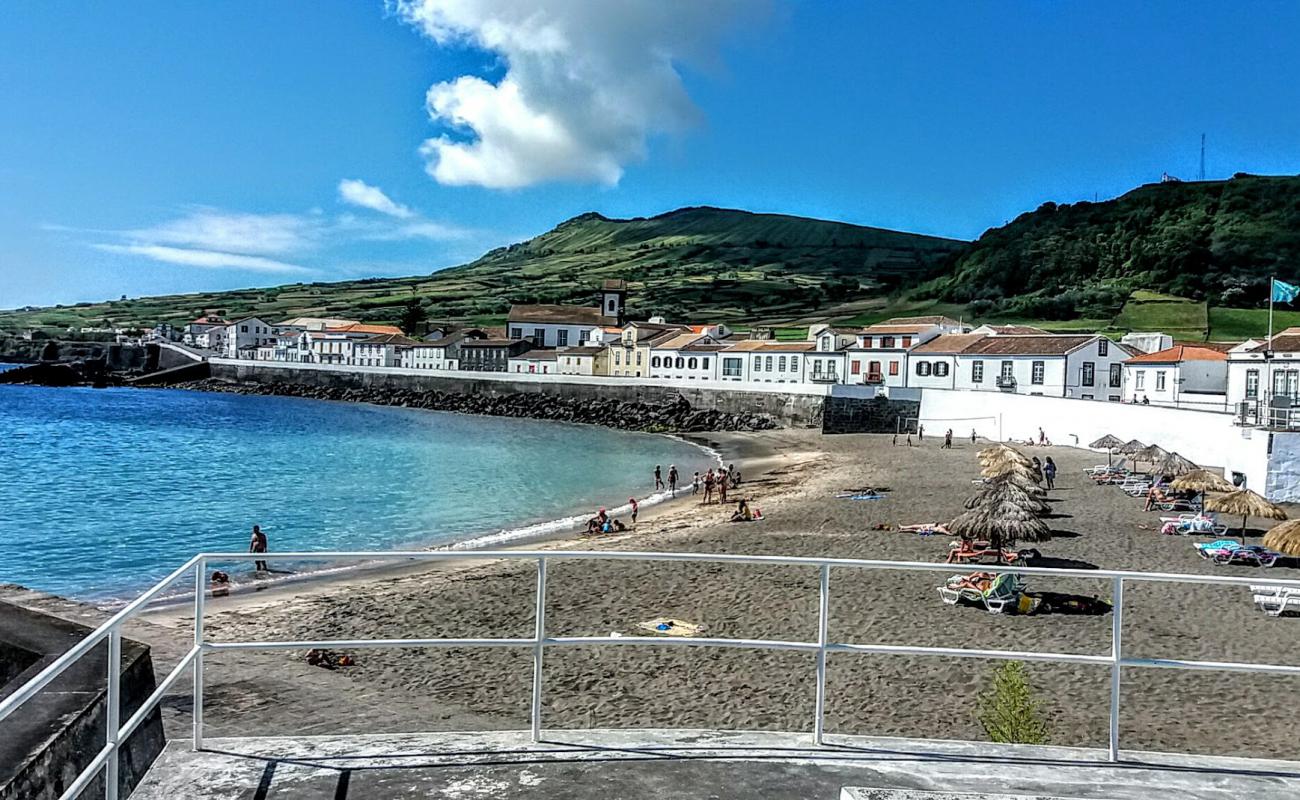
696,263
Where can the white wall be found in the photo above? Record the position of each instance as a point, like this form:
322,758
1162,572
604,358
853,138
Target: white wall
862,358
577,334
1210,439
1283,483
705,369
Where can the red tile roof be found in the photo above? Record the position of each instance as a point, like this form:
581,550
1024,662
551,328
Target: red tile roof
1180,352
949,343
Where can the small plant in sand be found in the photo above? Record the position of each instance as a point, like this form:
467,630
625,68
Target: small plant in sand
1009,710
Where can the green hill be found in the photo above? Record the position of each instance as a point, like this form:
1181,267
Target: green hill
693,263
1212,241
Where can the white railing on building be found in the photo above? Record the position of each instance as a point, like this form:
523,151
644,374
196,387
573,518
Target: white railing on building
106,759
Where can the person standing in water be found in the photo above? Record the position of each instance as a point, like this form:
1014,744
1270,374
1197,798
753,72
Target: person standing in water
672,479
631,501
659,481
258,544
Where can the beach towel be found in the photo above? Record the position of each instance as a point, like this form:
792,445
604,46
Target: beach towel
667,626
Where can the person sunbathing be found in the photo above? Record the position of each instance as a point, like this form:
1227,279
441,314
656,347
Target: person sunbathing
926,528
979,581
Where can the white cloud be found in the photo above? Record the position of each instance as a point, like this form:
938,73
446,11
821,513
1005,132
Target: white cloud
586,82
360,193
207,259
232,232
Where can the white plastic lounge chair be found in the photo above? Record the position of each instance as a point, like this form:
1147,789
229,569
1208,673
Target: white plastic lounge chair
1285,601
1003,591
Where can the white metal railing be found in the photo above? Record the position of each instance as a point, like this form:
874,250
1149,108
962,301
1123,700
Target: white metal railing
107,758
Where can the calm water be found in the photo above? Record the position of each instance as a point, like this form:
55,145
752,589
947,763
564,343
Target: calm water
105,491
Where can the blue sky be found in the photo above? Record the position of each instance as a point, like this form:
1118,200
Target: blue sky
165,147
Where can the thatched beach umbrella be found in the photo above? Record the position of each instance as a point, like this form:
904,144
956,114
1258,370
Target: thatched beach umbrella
1008,492
1151,454
1284,538
1000,524
1247,504
1108,443
1130,447
1174,464
1001,454
1202,480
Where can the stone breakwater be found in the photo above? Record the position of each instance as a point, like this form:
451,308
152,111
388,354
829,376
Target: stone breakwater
675,416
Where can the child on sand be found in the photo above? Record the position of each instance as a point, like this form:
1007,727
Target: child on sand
635,508
695,484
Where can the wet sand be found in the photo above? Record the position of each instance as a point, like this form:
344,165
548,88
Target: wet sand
792,476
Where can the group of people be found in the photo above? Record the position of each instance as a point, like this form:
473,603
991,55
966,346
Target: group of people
672,479
1048,468
715,484
920,435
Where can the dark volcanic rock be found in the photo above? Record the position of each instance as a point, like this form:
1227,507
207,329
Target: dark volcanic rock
677,416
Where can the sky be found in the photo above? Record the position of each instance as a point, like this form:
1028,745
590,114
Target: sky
161,147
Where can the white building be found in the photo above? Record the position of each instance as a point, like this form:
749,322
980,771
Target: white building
334,345
764,361
689,356
540,362
253,331
385,350
1085,366
581,360
547,325
1195,376
1264,374
204,325
879,354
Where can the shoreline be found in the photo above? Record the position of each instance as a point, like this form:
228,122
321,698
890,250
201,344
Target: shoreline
749,456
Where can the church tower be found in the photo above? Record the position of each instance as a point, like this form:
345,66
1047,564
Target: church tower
612,298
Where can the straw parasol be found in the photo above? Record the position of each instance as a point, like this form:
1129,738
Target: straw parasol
1151,453
1110,444
1284,538
1007,492
1202,480
1174,464
1130,447
1025,473
1247,504
1002,452
1000,523
1107,442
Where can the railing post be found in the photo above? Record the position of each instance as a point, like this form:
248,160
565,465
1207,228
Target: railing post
539,636
823,613
113,712
1117,655
200,578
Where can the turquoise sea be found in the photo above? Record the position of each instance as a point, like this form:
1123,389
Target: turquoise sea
107,490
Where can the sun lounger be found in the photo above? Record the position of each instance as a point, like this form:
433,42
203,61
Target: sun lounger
1226,551
1003,590
963,551
1195,524
1277,602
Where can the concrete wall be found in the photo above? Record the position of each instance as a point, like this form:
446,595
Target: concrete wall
1284,468
877,415
1209,439
782,402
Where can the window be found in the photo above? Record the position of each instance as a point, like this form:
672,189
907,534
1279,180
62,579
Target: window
1160,380
977,372
893,368
907,341
923,368
1252,383
704,363
1116,375
1039,368
638,358
768,365
1008,370
618,357
681,362
758,363
561,338
1103,346
780,364
1140,378
516,333
654,361
874,368
941,369
691,364
243,329
539,336
886,341
1089,373
731,367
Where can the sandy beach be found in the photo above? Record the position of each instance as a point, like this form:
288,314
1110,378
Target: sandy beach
792,476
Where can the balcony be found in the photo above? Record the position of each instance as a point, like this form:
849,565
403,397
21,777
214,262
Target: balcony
825,377
873,379
1005,382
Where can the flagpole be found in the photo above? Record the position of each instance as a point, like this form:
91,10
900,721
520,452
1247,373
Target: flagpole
1268,355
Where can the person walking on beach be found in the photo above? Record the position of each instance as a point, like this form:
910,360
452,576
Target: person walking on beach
1049,472
672,479
695,484
631,501
722,486
920,433
947,440
708,488
972,436
1042,437
659,481
258,544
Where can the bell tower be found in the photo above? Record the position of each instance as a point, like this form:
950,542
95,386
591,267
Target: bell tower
613,295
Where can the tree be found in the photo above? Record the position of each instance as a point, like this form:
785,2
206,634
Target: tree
1009,711
412,317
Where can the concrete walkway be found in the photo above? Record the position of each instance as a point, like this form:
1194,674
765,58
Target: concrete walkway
600,765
